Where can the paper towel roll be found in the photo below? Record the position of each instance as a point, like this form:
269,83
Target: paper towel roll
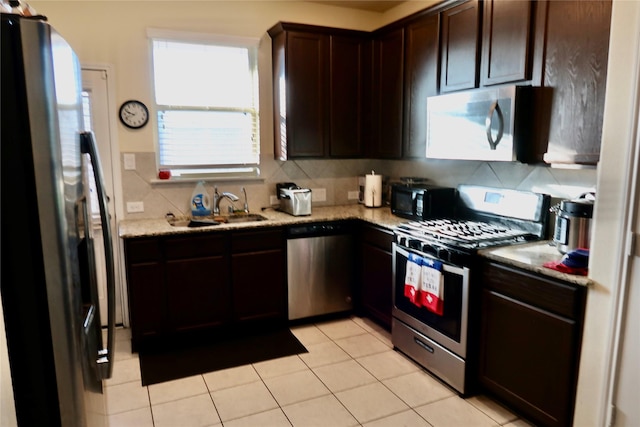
373,190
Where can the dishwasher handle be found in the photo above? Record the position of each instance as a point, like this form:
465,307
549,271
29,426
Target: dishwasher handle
318,230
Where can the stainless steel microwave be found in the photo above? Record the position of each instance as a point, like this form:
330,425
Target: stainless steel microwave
503,123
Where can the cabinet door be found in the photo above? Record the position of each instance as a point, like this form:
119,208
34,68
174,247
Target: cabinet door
259,286
460,37
345,95
575,66
388,89
198,293
376,274
146,289
305,87
421,81
258,269
147,301
506,31
377,283
528,358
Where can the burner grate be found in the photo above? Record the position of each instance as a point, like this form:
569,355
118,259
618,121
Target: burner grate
463,232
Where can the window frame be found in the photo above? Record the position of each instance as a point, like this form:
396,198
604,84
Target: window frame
225,171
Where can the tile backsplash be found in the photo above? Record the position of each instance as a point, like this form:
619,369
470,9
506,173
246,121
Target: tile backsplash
338,177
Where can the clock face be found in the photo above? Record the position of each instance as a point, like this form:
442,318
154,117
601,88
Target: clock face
134,114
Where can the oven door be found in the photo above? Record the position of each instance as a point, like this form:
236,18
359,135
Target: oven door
449,329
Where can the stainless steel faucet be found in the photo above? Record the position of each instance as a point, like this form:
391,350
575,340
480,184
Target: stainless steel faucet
246,202
217,198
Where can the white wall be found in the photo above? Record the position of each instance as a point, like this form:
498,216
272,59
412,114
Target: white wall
606,252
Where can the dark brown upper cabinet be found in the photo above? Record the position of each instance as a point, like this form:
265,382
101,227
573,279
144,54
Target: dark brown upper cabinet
506,42
388,77
348,68
300,79
574,64
318,84
422,38
460,47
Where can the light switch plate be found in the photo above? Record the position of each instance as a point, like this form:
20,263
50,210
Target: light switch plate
318,194
129,161
133,207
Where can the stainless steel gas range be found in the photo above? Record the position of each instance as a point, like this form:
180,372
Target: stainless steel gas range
436,302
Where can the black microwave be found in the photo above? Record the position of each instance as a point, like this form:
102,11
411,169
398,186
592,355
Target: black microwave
422,201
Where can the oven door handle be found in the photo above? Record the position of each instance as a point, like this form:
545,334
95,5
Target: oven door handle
445,267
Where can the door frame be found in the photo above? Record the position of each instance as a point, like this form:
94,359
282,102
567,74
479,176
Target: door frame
117,197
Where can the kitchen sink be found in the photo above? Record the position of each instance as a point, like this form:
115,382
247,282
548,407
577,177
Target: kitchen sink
192,222
207,222
231,219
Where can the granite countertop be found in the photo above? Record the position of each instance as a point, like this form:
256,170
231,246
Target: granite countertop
531,257
528,256
159,227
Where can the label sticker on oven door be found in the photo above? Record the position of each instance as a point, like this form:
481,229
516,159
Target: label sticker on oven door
413,278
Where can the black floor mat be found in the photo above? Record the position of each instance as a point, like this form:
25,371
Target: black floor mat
166,365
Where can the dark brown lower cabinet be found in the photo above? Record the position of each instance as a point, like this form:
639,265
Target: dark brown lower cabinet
197,293
530,343
182,287
258,271
376,274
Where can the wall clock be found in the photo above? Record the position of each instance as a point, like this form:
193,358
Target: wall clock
134,114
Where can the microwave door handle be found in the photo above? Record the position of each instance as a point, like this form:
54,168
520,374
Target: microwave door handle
495,107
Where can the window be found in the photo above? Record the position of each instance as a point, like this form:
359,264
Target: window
206,93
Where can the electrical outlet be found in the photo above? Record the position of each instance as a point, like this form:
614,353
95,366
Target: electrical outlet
133,207
129,161
353,195
318,194
273,200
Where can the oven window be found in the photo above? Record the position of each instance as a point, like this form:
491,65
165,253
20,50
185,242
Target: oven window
450,322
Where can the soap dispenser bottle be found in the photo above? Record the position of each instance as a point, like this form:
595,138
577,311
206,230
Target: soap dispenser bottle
200,201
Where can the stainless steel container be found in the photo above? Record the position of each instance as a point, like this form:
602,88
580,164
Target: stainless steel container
573,223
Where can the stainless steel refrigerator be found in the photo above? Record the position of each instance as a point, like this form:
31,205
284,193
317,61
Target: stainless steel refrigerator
55,343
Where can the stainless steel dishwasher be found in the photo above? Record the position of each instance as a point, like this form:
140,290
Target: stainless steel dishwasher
320,268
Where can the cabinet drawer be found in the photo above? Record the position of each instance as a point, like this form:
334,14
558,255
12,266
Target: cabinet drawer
555,296
195,246
252,241
381,238
143,250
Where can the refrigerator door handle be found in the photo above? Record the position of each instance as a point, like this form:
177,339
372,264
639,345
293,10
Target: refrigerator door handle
105,356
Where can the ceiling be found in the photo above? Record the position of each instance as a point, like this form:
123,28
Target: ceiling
368,5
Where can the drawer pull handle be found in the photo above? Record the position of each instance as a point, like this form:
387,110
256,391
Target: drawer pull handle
423,345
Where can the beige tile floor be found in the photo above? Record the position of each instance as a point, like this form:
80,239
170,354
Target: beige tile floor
351,376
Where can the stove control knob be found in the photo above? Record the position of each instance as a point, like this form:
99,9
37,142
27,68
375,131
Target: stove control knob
457,258
430,249
414,244
444,254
